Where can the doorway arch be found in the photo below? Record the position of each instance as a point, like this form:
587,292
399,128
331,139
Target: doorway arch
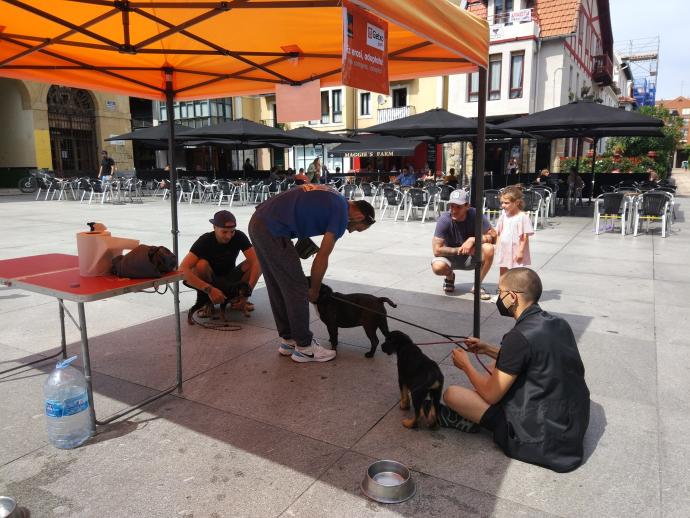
72,123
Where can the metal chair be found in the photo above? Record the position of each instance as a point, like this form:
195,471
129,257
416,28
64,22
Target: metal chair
226,190
652,206
546,202
444,196
610,206
187,189
532,206
349,190
393,199
417,199
492,204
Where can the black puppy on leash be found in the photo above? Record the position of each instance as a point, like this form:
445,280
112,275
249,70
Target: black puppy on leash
419,378
352,310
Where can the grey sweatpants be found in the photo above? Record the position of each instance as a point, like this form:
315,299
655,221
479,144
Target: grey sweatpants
285,282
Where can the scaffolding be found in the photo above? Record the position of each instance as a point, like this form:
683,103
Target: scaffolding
642,56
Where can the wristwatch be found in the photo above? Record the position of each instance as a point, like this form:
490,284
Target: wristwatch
207,289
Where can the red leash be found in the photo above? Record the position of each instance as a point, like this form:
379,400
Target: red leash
460,344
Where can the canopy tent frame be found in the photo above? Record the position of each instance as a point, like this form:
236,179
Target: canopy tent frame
455,43
126,8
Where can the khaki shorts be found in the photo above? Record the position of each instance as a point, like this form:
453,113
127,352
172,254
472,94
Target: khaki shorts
456,262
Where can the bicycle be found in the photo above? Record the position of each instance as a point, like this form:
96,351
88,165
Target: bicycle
30,184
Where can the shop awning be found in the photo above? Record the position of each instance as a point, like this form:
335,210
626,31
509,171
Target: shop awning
372,146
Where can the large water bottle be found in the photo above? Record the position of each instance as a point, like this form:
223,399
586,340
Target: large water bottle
67,406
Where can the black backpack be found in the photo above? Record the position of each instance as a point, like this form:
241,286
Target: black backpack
145,262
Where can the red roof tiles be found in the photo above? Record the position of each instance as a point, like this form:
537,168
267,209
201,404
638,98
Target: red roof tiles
555,17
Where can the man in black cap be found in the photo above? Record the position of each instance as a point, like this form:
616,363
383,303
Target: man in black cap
214,255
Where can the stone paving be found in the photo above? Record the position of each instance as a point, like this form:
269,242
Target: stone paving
255,434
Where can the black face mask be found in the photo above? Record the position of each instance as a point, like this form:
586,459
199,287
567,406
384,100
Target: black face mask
503,310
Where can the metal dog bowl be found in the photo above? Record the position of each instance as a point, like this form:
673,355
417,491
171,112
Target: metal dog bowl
388,482
9,508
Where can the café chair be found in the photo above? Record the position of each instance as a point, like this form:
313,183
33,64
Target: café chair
610,206
653,206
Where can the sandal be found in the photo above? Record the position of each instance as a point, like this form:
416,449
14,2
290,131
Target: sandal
248,306
449,285
483,295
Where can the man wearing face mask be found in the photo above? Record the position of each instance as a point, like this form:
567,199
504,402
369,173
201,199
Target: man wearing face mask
535,400
301,212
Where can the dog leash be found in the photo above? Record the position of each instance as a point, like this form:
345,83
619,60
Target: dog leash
216,326
451,338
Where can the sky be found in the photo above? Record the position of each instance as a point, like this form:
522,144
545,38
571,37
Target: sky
666,19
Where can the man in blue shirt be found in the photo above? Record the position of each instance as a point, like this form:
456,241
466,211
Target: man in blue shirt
453,242
301,212
407,178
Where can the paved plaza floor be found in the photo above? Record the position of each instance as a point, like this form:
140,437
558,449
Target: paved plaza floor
255,434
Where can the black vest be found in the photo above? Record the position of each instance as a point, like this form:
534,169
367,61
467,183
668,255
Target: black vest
547,407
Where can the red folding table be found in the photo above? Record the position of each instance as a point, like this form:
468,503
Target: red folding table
57,275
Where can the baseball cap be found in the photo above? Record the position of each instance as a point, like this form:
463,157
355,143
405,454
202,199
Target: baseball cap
458,197
223,218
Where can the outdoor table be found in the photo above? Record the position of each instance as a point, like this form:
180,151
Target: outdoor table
57,275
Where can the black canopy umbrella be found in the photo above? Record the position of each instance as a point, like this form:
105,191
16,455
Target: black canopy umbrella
596,133
155,133
433,123
243,131
438,126
579,116
586,119
314,137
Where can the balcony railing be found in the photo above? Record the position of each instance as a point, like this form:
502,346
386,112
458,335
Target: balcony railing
512,17
391,114
602,70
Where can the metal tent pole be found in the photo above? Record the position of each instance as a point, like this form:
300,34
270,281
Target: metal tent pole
478,195
169,96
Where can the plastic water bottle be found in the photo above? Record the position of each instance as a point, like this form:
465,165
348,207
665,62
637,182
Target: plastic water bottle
67,406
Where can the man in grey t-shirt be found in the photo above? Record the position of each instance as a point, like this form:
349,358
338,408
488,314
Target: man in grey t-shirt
453,242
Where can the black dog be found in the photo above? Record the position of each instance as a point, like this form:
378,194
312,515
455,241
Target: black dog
336,313
232,292
418,377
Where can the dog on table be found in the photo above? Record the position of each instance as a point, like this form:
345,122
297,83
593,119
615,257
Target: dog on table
419,378
233,292
336,313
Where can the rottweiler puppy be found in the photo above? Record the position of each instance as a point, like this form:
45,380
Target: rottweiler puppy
232,291
335,313
419,378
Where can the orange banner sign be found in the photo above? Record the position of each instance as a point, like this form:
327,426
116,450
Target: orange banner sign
365,50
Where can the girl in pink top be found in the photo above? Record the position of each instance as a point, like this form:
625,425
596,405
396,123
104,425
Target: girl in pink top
514,228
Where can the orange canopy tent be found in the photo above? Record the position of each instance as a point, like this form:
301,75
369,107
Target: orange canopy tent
190,49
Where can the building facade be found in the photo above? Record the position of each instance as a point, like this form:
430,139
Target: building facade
58,128
543,54
346,110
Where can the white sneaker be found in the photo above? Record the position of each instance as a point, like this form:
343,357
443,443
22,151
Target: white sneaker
287,346
312,353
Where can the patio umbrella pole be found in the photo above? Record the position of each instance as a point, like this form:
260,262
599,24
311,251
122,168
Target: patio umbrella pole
594,159
478,197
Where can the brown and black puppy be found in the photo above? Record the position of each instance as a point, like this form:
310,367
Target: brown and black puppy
232,292
336,313
419,377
